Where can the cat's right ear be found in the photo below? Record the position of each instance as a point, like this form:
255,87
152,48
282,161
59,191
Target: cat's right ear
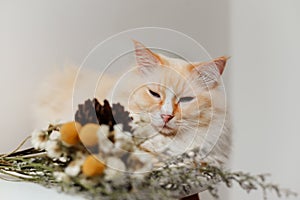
145,58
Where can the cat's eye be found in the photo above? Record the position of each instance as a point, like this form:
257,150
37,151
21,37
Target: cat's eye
154,94
185,99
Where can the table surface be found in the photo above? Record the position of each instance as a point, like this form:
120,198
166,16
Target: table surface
30,191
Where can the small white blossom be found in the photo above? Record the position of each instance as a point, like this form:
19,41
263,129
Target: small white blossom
172,166
191,154
63,159
157,143
115,163
115,169
74,168
53,149
89,182
123,141
180,164
55,135
39,139
61,177
105,145
119,134
141,162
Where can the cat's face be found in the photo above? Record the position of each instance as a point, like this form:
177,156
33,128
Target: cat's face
171,100
174,94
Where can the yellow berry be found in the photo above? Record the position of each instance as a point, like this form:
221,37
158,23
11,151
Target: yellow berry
88,135
92,166
69,133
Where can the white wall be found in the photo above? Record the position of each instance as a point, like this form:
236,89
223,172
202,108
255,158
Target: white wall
264,87
37,36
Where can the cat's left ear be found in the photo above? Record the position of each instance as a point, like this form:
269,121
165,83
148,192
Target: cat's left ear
145,58
211,71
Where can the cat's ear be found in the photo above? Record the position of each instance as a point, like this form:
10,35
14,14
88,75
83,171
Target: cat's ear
145,58
211,71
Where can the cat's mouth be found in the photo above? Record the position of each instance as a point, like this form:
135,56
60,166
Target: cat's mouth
167,127
167,130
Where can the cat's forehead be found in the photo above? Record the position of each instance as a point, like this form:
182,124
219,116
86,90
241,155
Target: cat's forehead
174,75
179,63
170,79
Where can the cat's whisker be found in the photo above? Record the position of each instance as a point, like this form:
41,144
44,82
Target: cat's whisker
186,129
188,125
189,121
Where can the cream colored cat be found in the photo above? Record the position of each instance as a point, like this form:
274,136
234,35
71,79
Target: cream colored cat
183,103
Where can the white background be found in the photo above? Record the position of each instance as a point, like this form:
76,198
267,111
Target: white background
262,77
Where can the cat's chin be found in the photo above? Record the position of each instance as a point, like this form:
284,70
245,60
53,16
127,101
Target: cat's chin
166,131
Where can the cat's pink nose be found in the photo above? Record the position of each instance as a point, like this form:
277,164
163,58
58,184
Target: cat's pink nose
166,118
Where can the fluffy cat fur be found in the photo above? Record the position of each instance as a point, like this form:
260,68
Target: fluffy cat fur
182,102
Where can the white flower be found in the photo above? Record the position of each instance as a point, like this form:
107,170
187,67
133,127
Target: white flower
157,144
63,158
89,182
191,154
123,140
180,164
115,169
143,132
122,135
115,163
53,149
39,139
74,168
105,145
61,177
55,135
141,162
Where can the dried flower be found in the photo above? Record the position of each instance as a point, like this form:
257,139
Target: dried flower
115,168
105,145
55,135
88,134
53,149
74,168
61,177
92,166
120,169
69,133
123,140
141,162
39,139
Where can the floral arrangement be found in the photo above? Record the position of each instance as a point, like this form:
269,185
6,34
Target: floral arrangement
98,157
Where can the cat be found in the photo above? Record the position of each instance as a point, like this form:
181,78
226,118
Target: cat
182,104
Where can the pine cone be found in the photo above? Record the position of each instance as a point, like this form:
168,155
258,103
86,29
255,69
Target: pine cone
121,116
86,113
104,113
94,112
